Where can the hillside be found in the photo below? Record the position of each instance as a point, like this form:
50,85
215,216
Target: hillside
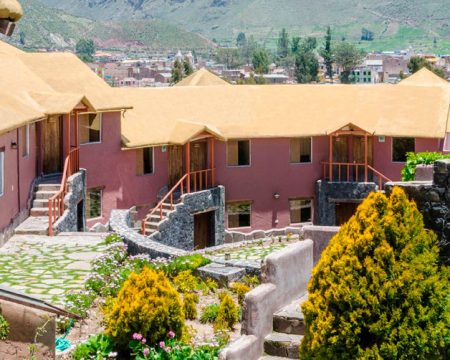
395,23
43,26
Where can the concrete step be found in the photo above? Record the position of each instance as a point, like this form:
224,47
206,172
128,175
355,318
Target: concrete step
39,211
34,225
40,203
44,194
47,187
151,225
290,319
270,357
284,345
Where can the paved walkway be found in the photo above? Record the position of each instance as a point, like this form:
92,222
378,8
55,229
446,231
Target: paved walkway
48,267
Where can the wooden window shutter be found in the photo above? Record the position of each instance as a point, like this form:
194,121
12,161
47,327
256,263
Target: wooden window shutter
139,162
295,151
83,125
305,150
232,153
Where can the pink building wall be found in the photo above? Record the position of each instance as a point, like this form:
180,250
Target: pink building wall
9,202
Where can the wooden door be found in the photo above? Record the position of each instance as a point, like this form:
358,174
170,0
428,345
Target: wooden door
344,211
204,230
359,155
340,155
175,164
52,145
199,156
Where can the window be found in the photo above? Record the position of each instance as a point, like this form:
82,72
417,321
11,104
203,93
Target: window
2,171
94,203
300,210
238,153
144,161
239,214
90,128
400,147
300,150
26,140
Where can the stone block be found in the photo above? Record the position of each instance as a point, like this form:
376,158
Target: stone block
424,172
249,236
223,274
258,234
238,237
99,228
228,238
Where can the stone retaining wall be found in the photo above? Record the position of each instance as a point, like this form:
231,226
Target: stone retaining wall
285,276
236,236
68,222
433,201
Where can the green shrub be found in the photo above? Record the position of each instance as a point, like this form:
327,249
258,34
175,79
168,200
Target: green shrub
228,314
4,328
240,290
422,158
79,302
209,313
377,291
190,309
96,347
146,304
184,263
250,281
185,281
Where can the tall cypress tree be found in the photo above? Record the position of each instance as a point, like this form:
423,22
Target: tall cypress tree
327,54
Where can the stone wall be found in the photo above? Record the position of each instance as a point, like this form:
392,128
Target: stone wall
236,236
285,276
330,193
77,192
433,201
177,230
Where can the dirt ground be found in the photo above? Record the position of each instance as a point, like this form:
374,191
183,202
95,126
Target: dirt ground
14,350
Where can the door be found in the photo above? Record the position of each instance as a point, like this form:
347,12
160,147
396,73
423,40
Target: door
340,155
204,230
175,164
344,211
52,145
199,156
359,154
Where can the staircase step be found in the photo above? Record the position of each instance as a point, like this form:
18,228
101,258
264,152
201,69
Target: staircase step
270,357
37,211
151,226
290,319
37,225
40,203
41,194
284,345
47,187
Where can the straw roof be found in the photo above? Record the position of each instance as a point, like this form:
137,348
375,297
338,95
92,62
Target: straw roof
173,115
10,10
202,77
424,77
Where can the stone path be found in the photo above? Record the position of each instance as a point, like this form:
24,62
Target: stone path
48,267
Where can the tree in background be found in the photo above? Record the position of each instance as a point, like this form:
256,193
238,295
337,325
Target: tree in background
347,57
85,50
306,62
260,61
327,54
416,63
177,72
295,45
228,56
283,45
366,35
378,291
241,40
248,50
187,67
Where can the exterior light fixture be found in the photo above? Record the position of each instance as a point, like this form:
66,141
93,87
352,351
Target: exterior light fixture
276,196
13,145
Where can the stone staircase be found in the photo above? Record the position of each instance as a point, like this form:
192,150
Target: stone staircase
288,331
37,222
151,224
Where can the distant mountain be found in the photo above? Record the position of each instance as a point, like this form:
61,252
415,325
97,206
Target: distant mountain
43,26
395,23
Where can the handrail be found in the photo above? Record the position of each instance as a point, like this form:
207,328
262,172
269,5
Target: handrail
56,202
381,177
195,180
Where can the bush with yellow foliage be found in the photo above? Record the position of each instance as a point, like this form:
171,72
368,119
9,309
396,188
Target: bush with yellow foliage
147,304
378,291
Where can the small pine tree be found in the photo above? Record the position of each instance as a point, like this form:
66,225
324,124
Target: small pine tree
177,72
187,67
327,54
228,314
190,309
377,291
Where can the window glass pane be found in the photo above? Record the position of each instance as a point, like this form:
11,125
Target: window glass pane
400,147
148,160
300,150
26,140
2,172
300,210
239,214
94,203
244,152
90,128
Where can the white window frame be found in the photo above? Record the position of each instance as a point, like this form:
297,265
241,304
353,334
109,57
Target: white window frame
27,140
2,171
392,148
101,130
311,157
249,154
101,203
312,210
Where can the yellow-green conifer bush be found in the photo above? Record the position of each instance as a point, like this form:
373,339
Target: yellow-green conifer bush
147,304
228,314
378,291
190,302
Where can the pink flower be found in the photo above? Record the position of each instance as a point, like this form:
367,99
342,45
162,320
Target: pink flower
167,349
144,340
137,336
171,334
146,352
162,344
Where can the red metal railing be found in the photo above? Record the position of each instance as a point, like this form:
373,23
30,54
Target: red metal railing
56,202
190,182
353,172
